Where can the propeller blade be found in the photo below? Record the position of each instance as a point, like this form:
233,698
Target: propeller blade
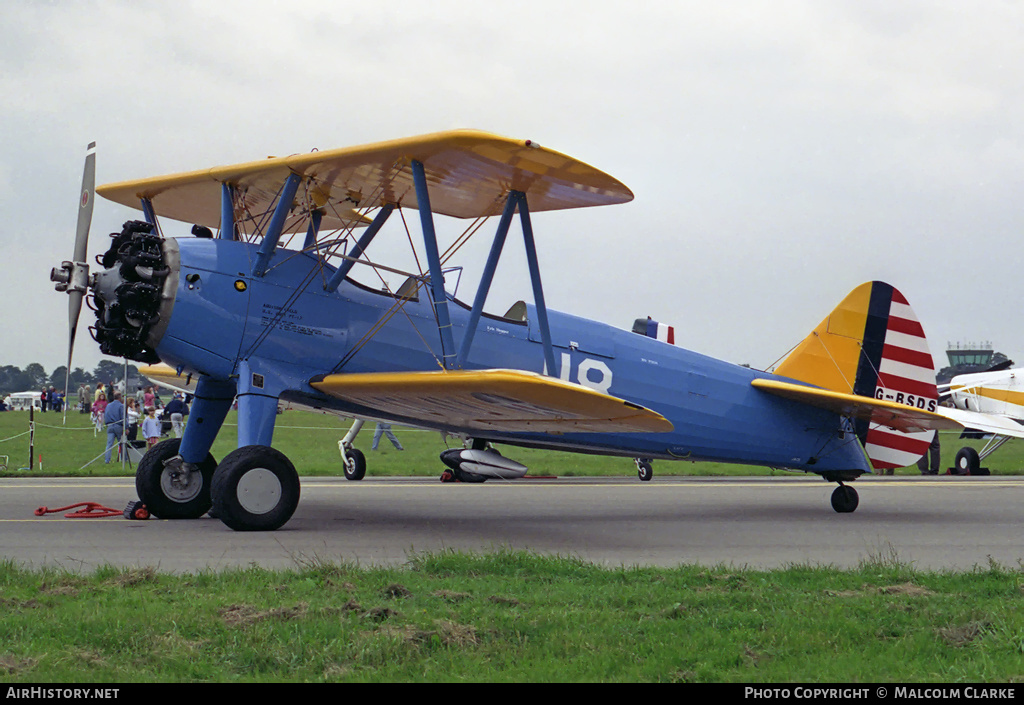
79,273
85,204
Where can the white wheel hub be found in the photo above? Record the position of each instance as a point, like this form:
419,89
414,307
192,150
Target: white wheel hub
259,491
179,486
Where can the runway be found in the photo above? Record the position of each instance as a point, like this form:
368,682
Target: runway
930,523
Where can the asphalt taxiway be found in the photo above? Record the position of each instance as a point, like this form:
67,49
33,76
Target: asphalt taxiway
930,523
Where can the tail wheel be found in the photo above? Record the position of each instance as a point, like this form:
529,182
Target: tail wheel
644,469
255,488
168,492
967,461
355,464
845,499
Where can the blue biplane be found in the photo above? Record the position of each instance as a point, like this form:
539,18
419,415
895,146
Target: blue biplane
259,306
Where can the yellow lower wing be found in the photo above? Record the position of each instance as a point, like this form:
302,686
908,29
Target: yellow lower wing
494,400
886,413
166,376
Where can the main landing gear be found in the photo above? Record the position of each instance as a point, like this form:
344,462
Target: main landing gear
968,461
171,488
255,488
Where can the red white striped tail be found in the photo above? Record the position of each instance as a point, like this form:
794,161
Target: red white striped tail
905,373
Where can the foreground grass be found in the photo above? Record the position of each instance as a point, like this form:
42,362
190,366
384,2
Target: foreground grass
311,442
512,617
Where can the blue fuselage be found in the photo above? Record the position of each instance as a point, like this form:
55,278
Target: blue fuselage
287,328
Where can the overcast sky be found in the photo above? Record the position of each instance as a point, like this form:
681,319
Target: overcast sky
781,152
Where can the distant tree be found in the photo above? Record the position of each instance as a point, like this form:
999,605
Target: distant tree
80,376
110,371
57,378
38,374
14,379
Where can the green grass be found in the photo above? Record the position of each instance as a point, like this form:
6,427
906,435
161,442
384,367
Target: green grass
513,617
311,442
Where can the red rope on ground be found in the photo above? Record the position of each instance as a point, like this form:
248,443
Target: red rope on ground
92,510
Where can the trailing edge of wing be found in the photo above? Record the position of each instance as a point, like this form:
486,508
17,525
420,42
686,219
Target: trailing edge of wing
886,413
492,400
989,423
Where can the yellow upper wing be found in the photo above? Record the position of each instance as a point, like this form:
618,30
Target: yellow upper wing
492,400
468,173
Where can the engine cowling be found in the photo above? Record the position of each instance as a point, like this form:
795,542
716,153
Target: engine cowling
133,294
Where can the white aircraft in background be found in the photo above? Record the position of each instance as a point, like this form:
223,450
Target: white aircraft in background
991,402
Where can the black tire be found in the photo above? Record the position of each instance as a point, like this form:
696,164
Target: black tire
163,496
255,488
644,470
355,464
845,499
968,462
463,476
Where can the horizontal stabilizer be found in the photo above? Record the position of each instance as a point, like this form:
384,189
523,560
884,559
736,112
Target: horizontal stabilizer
885,413
492,400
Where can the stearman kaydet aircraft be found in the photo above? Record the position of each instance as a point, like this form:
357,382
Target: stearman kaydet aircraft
260,306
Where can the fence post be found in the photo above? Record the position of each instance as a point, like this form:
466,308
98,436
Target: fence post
31,436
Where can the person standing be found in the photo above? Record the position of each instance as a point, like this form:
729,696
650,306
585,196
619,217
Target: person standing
113,419
384,429
99,407
131,412
928,463
151,428
177,411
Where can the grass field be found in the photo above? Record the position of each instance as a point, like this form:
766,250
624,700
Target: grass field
310,441
513,617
